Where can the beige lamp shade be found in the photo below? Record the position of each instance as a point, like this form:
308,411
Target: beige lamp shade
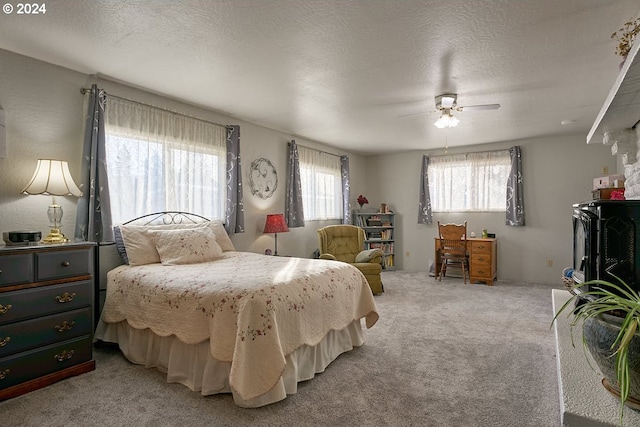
52,177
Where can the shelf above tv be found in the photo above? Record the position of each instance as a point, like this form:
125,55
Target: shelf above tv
621,109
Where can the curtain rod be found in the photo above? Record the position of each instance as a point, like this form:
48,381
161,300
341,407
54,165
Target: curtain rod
473,152
315,149
85,90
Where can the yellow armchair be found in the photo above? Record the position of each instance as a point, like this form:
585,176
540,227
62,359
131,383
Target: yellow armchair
346,243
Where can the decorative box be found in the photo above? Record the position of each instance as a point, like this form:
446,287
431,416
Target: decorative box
608,181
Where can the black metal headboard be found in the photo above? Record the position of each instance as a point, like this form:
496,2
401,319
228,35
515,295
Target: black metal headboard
168,217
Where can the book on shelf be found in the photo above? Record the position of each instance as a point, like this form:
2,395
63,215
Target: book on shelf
388,261
374,221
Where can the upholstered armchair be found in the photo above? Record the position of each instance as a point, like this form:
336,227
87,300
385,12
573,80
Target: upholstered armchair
346,243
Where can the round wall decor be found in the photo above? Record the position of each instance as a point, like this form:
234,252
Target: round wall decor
263,178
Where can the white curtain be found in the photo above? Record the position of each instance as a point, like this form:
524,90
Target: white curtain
321,179
159,160
469,182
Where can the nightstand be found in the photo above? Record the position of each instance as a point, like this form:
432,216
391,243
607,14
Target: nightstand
46,315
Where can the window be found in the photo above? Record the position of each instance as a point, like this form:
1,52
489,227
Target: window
321,184
158,160
473,182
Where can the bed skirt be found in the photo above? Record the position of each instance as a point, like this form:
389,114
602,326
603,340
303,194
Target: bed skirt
193,365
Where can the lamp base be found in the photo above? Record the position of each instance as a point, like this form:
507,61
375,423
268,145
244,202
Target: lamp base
55,236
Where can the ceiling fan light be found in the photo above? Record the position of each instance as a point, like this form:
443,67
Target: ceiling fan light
442,122
446,120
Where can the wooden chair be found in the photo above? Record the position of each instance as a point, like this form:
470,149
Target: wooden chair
453,248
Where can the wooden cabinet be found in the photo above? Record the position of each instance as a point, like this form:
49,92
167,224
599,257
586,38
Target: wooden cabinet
483,262
379,228
46,315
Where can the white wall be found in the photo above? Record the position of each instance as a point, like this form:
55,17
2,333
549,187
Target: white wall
558,172
45,118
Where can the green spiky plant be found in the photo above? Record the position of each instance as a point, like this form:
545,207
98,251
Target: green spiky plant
625,303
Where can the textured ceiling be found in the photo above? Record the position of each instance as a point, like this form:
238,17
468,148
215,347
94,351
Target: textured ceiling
351,74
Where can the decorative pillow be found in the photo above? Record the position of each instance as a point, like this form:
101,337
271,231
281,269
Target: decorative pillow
138,248
186,246
139,245
222,238
367,255
122,251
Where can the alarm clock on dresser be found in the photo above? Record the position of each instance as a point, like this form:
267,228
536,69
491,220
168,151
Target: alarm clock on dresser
21,238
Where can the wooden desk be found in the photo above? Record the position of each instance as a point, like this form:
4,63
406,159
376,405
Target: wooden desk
483,265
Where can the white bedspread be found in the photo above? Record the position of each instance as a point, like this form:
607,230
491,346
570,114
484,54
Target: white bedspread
254,309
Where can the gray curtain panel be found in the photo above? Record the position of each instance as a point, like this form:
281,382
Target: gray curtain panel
234,215
346,190
293,209
515,193
425,215
93,216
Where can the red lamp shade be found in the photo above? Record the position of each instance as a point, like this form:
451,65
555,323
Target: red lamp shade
275,223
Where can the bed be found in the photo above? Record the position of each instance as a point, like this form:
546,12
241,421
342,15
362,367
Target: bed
222,321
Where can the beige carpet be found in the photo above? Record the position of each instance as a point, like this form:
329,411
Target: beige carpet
442,354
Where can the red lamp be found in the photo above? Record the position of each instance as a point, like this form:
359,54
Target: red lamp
275,223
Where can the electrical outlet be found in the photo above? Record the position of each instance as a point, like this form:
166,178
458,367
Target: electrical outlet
549,263
605,170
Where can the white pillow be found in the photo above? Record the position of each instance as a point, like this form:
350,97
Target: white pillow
141,249
222,238
140,246
186,246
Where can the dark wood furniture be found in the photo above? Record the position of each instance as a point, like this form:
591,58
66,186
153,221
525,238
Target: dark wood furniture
46,315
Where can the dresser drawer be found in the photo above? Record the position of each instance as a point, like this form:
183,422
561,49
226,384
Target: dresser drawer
481,259
22,336
35,302
482,270
62,264
32,364
480,247
16,269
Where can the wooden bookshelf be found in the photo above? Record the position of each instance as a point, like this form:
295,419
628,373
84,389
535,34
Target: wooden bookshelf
380,231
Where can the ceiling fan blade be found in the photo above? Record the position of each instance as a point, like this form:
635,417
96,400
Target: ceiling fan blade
415,114
479,107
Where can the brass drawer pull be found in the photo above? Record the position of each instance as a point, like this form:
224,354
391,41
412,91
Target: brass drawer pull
65,355
5,308
4,341
65,326
66,297
65,263
3,374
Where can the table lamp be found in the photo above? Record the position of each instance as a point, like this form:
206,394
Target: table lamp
275,223
52,178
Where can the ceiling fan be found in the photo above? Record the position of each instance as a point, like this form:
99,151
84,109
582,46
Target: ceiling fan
448,102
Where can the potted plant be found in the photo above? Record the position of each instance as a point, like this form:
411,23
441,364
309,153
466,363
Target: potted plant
610,315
